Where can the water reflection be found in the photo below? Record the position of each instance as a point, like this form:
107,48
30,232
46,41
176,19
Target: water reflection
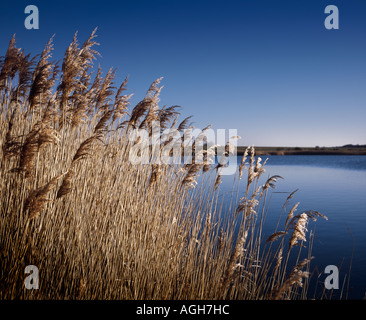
334,186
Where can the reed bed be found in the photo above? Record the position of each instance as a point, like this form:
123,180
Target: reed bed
99,226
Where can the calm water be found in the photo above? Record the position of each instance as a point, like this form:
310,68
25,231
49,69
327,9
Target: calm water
336,187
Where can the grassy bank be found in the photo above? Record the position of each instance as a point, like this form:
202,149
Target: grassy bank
344,150
98,226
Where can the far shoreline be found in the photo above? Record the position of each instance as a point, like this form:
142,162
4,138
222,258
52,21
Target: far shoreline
284,151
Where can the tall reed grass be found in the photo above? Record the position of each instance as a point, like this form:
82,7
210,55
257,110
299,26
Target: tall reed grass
98,226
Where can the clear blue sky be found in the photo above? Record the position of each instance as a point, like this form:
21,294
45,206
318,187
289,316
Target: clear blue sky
267,68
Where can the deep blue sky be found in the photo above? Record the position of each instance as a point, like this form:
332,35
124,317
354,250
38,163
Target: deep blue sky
269,69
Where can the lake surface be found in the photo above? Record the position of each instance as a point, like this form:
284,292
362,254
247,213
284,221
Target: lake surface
334,186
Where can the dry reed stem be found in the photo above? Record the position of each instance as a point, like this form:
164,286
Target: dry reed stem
232,264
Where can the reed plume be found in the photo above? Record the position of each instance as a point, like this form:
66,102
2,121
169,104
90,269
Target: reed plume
291,214
270,182
293,279
218,181
275,236
9,64
41,135
75,62
189,180
242,162
184,124
43,79
37,199
298,223
83,152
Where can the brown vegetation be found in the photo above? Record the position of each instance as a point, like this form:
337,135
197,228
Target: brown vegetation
100,227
